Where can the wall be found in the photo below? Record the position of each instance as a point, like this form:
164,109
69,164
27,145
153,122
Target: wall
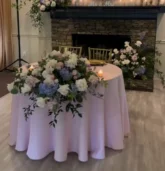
35,43
160,40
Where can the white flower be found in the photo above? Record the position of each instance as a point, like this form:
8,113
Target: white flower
56,81
49,80
32,81
115,51
137,63
64,89
53,4
10,86
55,53
144,58
112,54
36,72
45,74
47,3
40,102
66,54
122,56
42,7
81,84
72,62
74,72
24,74
126,44
93,79
51,64
26,88
126,62
116,62
17,80
129,49
87,62
138,43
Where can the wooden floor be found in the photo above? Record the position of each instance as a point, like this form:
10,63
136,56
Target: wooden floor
144,149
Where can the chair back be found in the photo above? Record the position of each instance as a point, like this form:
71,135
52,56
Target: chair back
100,54
77,50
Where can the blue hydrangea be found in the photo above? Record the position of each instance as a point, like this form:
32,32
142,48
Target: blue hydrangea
65,74
49,90
140,71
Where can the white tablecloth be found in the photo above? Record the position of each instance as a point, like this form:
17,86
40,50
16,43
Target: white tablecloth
104,123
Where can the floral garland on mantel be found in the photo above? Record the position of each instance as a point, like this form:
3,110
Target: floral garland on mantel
39,6
58,82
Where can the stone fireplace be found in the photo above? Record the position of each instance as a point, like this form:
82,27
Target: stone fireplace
102,33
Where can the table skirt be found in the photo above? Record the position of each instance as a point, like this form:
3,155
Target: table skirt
105,122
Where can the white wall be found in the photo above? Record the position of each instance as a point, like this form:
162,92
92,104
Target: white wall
160,40
35,43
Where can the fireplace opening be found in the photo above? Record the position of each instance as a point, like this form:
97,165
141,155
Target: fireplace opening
99,41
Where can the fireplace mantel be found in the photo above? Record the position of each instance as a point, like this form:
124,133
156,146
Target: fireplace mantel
126,13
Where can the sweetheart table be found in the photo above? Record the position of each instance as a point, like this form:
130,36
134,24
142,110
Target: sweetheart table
105,122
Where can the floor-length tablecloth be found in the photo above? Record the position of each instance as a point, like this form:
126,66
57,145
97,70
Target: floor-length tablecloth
104,123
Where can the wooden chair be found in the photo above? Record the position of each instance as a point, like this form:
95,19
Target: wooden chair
77,50
100,54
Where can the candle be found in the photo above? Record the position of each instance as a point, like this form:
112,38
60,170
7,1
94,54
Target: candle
100,73
31,67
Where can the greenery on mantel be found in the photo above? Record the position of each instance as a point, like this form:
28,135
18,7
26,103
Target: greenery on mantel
39,6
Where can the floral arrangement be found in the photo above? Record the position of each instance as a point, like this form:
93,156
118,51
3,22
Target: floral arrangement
130,60
39,6
59,79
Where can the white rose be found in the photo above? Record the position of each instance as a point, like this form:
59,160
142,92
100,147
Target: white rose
49,80
93,79
126,62
56,81
36,72
129,49
45,74
42,7
122,56
87,62
137,63
66,54
116,62
81,84
17,80
112,54
25,89
51,64
64,89
47,3
126,44
10,86
144,58
138,43
115,51
53,4
40,102
55,53
72,62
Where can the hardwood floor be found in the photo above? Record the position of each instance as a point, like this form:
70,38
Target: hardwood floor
144,149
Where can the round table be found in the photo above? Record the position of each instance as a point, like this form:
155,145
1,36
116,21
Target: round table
105,122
